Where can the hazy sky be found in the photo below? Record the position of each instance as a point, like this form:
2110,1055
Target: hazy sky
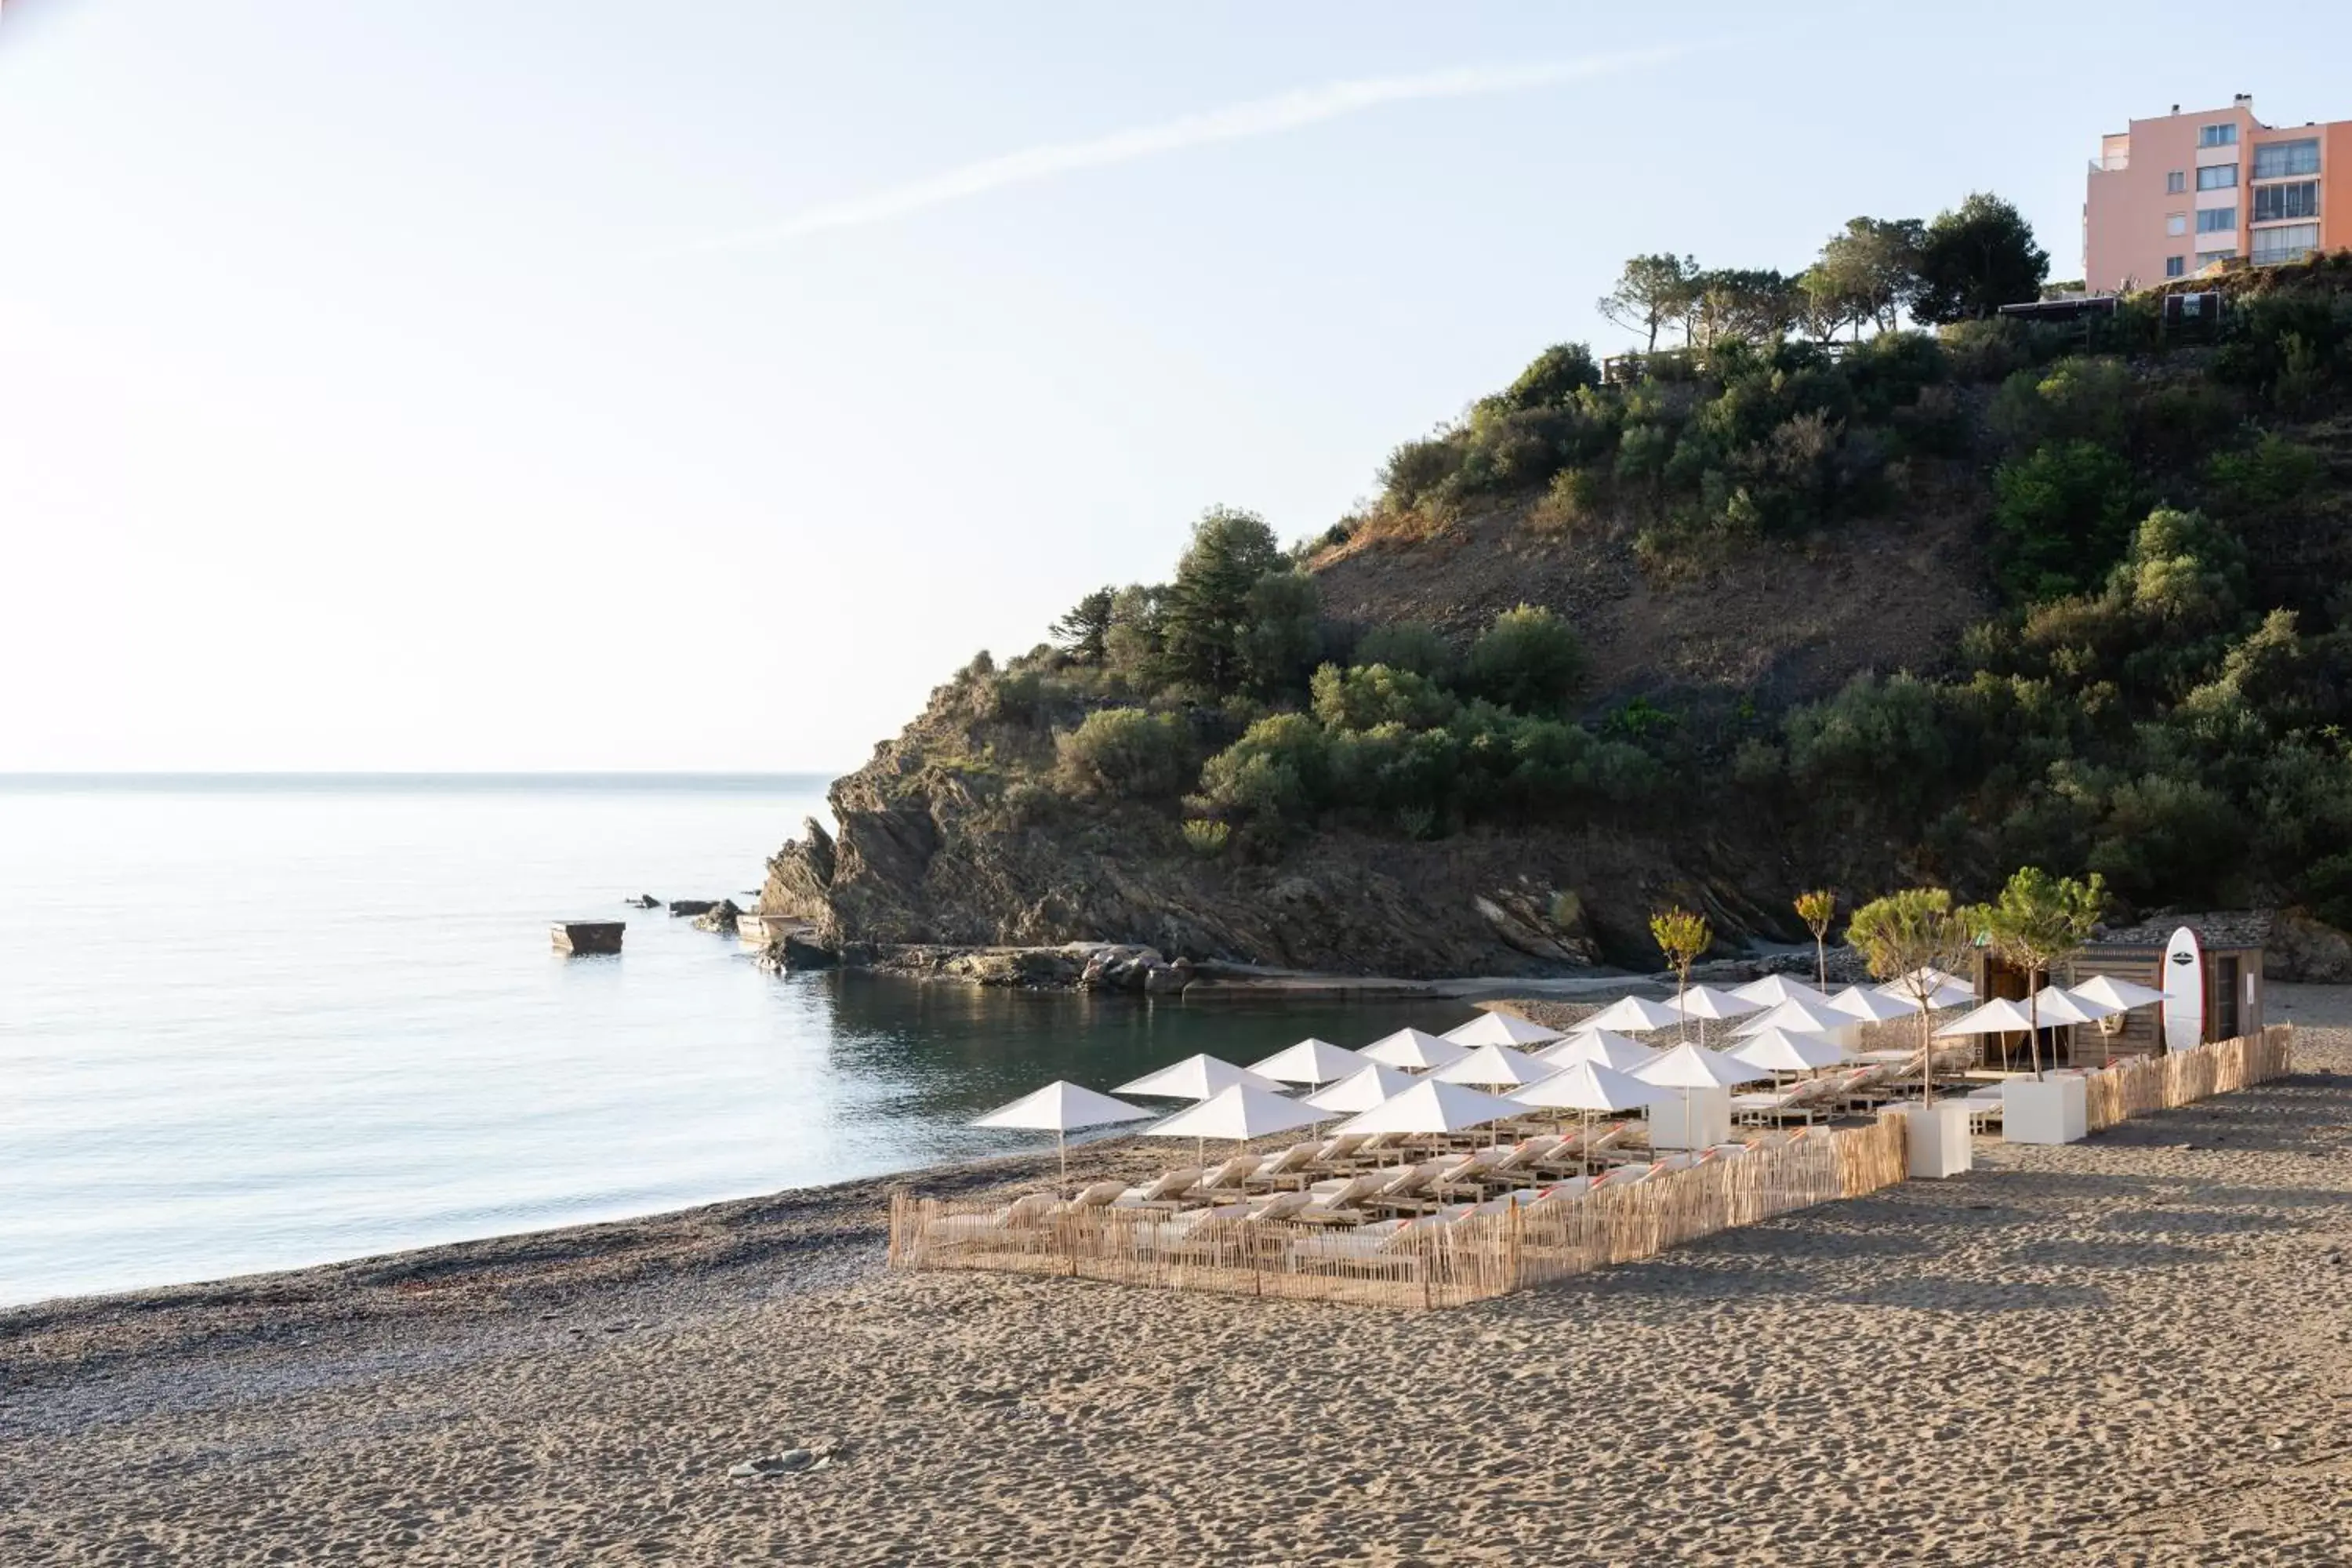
546,383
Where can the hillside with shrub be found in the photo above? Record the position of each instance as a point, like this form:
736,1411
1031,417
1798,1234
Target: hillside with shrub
1803,597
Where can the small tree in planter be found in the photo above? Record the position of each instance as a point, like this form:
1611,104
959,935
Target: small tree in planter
1909,937
1681,936
1817,910
2039,922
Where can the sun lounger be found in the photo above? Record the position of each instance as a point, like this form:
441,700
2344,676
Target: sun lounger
1290,1166
1804,1098
1228,1176
1342,1147
1410,1187
1282,1205
1181,1226
1162,1191
1101,1194
1338,1198
1020,1214
1363,1241
1518,1162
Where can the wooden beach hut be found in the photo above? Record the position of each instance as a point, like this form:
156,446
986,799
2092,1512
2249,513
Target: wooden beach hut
2225,952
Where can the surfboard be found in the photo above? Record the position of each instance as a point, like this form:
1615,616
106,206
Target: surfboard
2184,991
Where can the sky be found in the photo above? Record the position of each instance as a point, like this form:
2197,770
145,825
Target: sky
566,384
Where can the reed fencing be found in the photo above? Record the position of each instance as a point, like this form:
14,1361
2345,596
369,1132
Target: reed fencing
2143,1085
1428,1262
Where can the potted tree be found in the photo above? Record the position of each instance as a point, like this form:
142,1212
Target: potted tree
1681,936
1914,938
2039,922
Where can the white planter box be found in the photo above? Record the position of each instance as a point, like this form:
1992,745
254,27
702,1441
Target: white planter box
1709,1122
2052,1110
1939,1138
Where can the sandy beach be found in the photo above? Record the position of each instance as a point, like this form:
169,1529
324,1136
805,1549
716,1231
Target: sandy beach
2137,1349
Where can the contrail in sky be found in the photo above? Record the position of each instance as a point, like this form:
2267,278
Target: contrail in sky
1236,122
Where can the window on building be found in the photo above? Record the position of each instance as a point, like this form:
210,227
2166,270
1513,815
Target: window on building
2286,244
2218,220
2224,135
2282,160
2175,265
2207,258
2175,181
2217,177
2273,204
2176,223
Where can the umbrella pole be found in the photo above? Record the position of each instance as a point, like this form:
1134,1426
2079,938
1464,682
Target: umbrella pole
1062,1147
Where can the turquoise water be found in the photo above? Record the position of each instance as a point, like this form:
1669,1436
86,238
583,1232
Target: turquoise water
260,1023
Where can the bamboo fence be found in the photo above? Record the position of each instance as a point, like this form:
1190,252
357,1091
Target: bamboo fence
2143,1085
1426,1264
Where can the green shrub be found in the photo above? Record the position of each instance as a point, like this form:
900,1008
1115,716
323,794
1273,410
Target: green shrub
1407,645
1416,470
1573,497
1365,696
1529,660
1125,752
1206,837
2062,516
1983,351
1278,773
1554,378
2273,473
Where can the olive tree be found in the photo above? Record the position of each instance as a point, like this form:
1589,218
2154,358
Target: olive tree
1912,938
2039,922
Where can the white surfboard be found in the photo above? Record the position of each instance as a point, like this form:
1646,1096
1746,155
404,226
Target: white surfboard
2184,991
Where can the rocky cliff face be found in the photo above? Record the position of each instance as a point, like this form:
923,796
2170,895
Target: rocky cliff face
929,851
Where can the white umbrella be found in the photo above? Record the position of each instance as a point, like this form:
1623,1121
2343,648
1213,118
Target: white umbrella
1774,989
1868,1006
1704,1002
1688,1066
2000,1017
1494,1066
1800,1017
1633,1016
1415,1050
1196,1078
1362,1089
2116,992
2055,1005
1310,1061
1788,1050
1240,1113
1589,1086
1062,1108
1944,980
1606,1047
1430,1106
1501,1029
1943,996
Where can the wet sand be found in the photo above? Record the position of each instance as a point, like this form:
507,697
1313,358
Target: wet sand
2136,1348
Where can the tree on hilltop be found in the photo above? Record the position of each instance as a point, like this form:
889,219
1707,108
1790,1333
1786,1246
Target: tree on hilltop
1975,258
1652,291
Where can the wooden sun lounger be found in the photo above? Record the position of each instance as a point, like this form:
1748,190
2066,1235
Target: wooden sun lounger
1163,1191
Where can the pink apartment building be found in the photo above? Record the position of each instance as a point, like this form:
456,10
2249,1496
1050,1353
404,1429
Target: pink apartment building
2172,196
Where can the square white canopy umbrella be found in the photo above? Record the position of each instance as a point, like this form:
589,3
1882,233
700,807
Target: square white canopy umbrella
1196,1078
1800,1017
2057,1005
1704,1002
1943,996
1501,1029
1589,1086
2116,992
1240,1113
1496,1068
1688,1066
1633,1016
1062,1108
1943,979
1361,1090
1867,1006
1605,1047
2000,1017
1774,989
1415,1050
1310,1061
1788,1050
1430,1106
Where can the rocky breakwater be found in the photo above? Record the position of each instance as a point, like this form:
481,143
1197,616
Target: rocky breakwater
1075,966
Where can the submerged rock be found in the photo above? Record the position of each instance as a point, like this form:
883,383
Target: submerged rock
719,917
679,908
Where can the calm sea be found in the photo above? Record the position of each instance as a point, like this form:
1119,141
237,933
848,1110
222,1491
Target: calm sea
256,1023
